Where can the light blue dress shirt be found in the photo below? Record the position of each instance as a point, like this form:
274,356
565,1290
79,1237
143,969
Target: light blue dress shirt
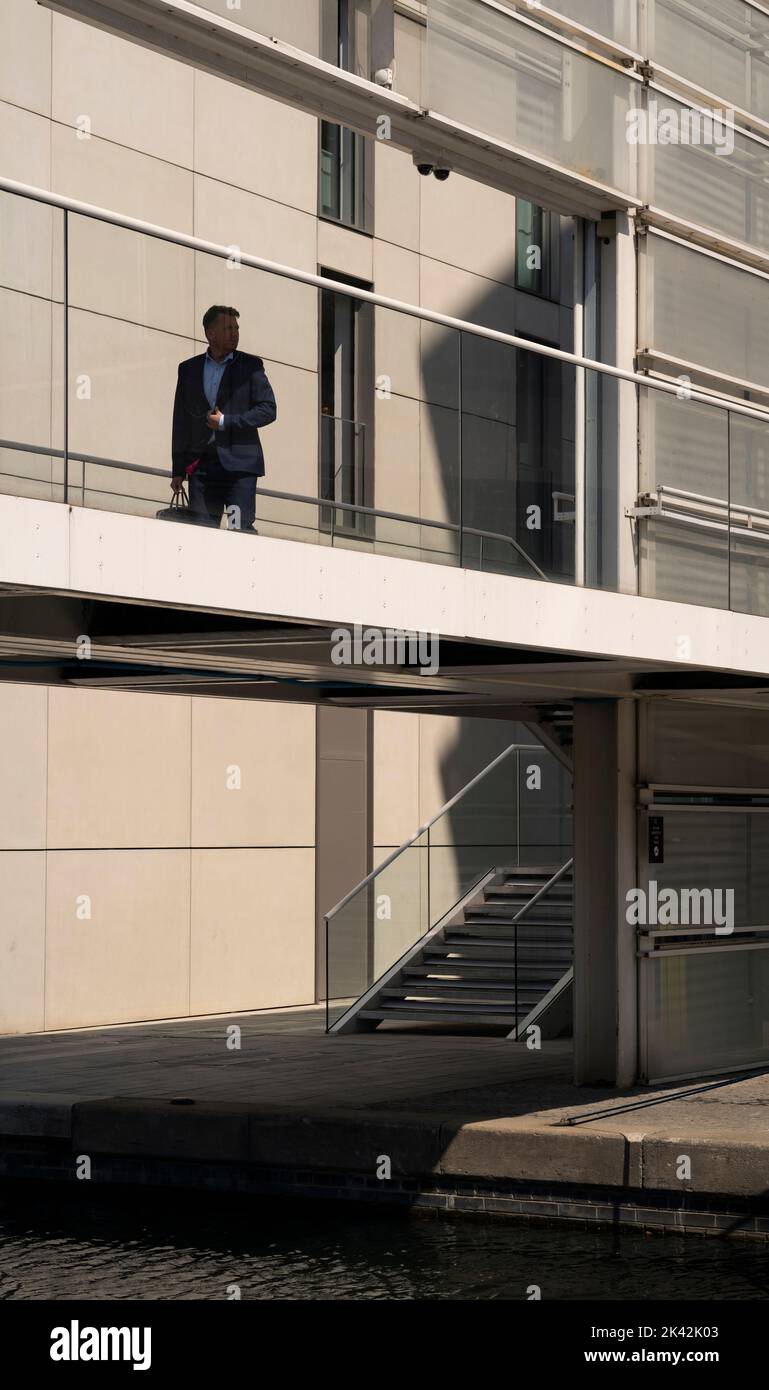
212,375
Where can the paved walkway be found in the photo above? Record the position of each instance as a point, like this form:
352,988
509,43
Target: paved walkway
465,1109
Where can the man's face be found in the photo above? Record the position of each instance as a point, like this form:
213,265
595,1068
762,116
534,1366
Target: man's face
223,335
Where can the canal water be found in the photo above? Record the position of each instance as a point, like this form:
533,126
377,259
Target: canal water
75,1243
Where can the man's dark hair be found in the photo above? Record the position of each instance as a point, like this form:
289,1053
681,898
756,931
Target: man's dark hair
212,314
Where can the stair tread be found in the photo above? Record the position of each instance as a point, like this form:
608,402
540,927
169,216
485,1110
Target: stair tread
469,1013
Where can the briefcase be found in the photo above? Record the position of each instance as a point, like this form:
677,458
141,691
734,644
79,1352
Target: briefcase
179,509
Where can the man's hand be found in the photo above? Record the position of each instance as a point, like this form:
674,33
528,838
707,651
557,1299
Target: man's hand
214,417
177,484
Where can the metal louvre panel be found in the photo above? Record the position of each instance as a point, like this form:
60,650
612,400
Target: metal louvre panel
705,43
489,71
719,45
728,860
749,473
708,1010
685,565
688,445
615,19
709,312
749,575
696,745
727,192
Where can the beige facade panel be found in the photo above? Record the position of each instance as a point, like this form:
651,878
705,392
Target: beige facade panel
25,370
119,770
252,781
249,141
22,941
345,251
290,446
400,913
121,179
409,56
396,212
452,290
31,246
129,959
439,470
278,317
120,274
25,139
256,225
396,273
25,30
127,94
396,778
440,365
23,752
397,473
397,336
253,929
470,225
453,750
122,383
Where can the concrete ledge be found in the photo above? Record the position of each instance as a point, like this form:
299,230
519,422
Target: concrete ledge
420,1147
508,1149
727,1163
161,1128
48,1117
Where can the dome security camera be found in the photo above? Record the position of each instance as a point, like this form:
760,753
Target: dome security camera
442,174
425,169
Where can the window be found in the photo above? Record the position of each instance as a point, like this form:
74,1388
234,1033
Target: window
344,176
346,163
346,423
537,248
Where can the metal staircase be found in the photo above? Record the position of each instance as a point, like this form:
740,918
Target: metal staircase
434,936
501,960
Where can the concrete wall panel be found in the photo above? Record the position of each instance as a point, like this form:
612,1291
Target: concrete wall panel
270,749
239,141
253,929
22,941
130,95
130,959
119,770
23,739
25,30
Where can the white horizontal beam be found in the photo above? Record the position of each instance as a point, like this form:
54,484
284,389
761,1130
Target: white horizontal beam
183,31
52,547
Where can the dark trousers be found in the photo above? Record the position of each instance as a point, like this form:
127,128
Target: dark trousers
214,489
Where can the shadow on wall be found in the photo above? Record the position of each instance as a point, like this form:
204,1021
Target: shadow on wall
520,813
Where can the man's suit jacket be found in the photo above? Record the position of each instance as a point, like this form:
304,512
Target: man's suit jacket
246,400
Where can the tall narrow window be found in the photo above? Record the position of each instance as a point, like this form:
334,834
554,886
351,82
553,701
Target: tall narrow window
346,371
345,158
537,247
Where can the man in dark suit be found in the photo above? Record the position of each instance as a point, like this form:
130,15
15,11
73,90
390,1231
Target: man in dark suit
222,398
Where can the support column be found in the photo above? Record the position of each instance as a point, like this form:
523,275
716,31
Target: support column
605,965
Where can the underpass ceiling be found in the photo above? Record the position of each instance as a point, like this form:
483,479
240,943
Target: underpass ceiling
139,647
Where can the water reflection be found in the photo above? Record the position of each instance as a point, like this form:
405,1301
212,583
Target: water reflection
72,1243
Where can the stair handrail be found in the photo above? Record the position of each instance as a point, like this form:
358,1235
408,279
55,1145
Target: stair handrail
514,747
540,893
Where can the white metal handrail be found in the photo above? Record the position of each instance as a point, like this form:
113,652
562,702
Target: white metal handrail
306,277
514,747
691,508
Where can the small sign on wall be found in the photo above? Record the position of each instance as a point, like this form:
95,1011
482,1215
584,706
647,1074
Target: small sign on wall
656,840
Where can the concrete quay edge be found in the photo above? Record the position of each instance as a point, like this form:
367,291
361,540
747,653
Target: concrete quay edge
417,1145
